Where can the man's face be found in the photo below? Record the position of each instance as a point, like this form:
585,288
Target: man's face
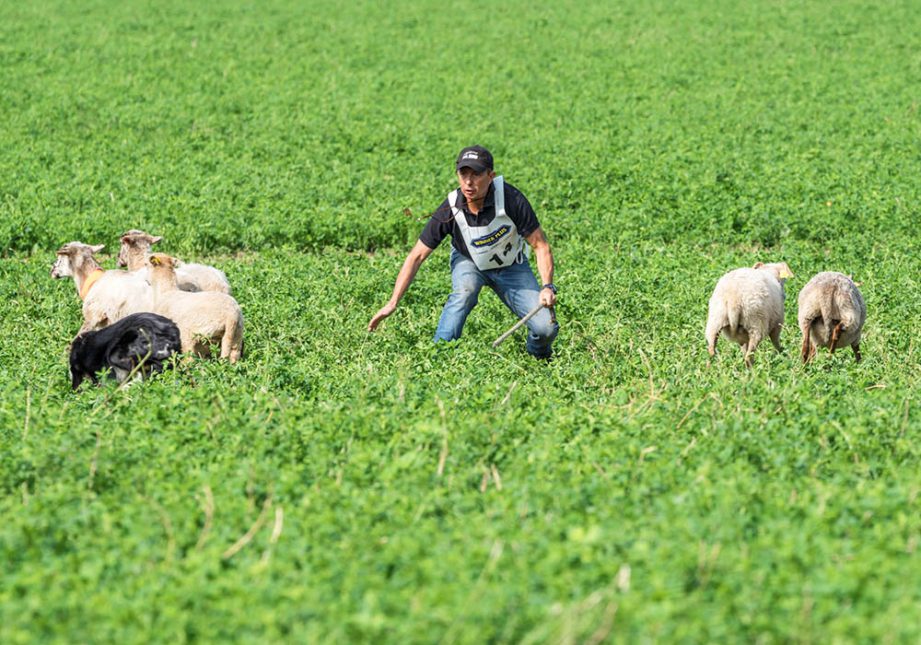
474,184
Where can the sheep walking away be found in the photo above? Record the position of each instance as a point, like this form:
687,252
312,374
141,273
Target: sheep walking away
831,314
747,306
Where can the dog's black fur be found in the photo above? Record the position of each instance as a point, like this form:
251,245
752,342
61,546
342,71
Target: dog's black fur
143,341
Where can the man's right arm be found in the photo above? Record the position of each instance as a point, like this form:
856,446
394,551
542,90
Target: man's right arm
411,265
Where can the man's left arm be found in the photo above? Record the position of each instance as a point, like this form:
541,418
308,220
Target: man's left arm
538,242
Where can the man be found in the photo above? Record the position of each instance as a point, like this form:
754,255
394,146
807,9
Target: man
489,222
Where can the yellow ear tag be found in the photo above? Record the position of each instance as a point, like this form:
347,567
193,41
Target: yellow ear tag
155,261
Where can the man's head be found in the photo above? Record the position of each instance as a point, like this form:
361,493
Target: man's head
476,157
474,172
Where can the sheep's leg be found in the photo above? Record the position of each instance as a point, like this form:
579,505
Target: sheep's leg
754,338
232,341
713,332
807,351
856,348
835,336
186,341
711,346
775,339
227,340
236,352
203,346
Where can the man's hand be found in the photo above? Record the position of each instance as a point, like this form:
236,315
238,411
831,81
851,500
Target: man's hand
385,311
410,265
547,297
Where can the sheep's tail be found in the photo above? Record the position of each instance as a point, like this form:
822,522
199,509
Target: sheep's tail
826,307
733,312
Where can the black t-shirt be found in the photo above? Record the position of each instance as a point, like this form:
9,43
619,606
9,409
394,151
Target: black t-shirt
442,223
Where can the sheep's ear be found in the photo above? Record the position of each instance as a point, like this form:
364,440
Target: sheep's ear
97,248
155,239
785,271
758,265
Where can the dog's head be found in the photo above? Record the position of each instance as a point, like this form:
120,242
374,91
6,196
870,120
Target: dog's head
78,370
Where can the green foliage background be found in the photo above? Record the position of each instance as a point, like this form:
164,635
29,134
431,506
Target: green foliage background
389,490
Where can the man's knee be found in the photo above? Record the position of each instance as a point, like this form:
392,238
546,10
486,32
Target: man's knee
544,327
466,292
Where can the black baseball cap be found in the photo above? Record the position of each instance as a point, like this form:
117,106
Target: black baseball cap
476,157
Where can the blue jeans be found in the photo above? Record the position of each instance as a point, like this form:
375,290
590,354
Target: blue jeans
515,285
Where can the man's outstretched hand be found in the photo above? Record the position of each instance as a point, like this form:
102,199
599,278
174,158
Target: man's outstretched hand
385,311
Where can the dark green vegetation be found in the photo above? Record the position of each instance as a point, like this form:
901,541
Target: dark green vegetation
352,487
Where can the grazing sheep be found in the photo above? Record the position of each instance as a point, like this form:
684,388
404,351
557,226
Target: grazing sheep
108,296
136,248
831,314
747,305
203,317
139,342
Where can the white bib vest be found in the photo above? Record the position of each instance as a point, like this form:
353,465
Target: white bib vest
497,244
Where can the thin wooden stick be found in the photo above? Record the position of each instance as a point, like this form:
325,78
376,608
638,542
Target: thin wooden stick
243,541
518,324
209,517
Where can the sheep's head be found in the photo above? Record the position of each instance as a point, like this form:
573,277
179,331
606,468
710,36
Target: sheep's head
72,257
135,242
780,270
161,262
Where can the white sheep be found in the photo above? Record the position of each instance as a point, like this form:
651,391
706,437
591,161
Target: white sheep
203,317
831,314
108,296
747,305
136,247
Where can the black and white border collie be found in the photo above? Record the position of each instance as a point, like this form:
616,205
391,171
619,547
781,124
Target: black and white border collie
141,342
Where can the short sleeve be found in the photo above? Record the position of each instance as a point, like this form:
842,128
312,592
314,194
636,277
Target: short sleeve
518,208
437,228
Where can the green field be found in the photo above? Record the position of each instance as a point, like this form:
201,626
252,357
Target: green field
341,486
